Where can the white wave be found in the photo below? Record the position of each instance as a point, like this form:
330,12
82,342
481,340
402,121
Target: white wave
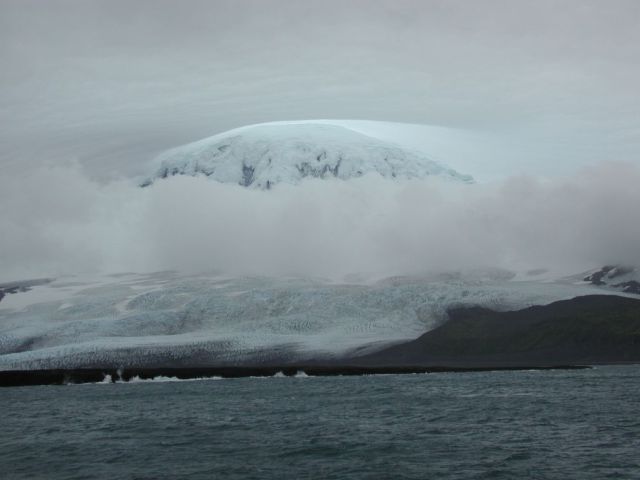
108,380
162,379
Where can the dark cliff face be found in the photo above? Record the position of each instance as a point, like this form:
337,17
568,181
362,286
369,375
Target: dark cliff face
589,329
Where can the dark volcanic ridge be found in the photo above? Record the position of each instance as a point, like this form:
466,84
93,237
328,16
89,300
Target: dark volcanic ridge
592,329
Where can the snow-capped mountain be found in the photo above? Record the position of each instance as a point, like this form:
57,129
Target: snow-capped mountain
262,156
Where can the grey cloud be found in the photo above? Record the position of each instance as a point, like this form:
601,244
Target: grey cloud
111,83
56,221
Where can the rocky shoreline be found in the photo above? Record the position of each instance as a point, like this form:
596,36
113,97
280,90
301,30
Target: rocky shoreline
17,378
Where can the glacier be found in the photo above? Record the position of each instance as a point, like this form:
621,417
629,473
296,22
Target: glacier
262,156
174,319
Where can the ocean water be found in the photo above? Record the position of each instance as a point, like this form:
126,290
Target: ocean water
579,424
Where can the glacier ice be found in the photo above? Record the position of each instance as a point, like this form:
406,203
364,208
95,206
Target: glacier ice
262,156
178,319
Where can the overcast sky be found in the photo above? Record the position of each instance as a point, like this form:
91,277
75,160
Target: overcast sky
538,100
536,86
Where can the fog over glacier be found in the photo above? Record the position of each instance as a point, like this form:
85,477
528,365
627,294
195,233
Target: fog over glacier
56,221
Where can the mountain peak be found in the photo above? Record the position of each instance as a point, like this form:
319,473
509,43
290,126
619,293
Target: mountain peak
261,156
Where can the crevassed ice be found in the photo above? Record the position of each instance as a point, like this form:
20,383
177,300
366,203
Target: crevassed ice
262,156
175,319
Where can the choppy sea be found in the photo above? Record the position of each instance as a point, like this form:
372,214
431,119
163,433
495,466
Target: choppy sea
575,424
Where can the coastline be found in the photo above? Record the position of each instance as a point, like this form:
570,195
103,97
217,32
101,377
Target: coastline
21,378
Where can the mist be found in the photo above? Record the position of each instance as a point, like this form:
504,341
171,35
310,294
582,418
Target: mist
57,221
538,100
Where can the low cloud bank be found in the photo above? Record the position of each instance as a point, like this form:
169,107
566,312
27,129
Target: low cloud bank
56,221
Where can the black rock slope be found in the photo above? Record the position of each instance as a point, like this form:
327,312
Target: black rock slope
584,330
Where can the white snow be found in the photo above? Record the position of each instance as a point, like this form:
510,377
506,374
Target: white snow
262,156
